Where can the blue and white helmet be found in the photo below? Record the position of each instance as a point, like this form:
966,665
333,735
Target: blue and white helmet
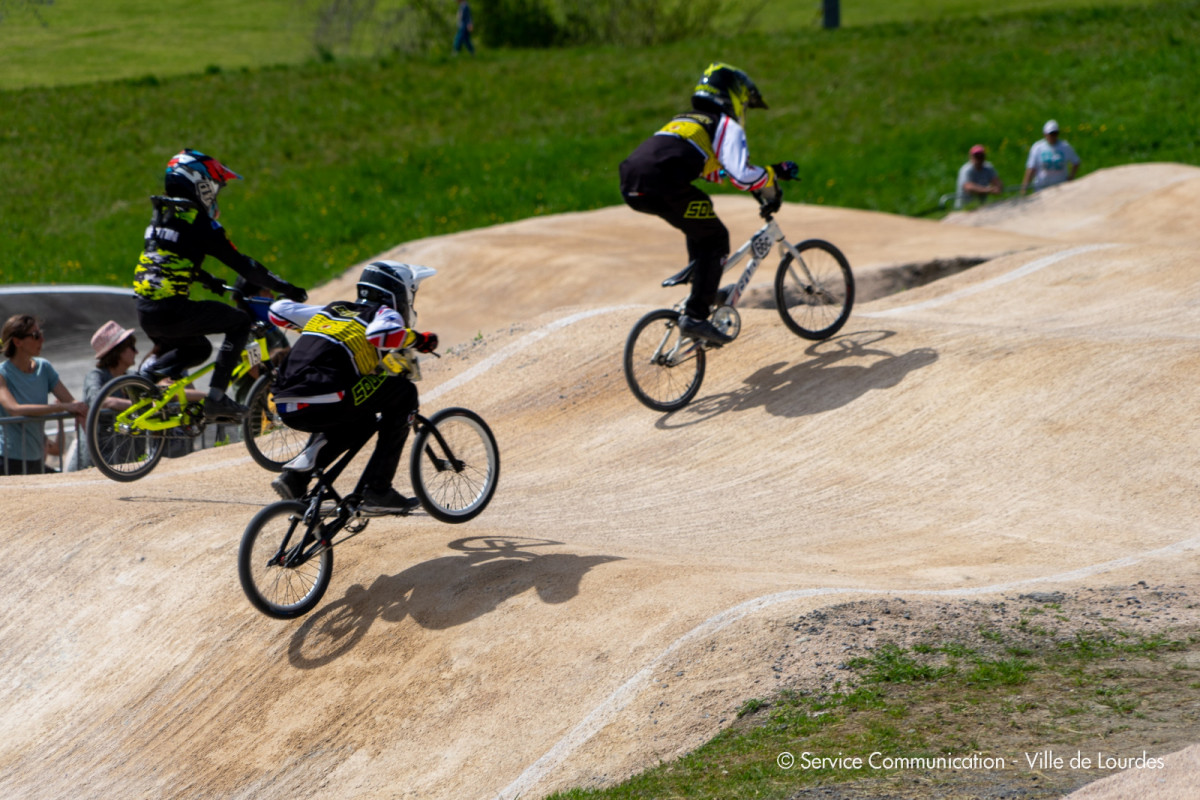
197,177
394,284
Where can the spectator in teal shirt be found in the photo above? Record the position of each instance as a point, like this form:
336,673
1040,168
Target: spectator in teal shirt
26,381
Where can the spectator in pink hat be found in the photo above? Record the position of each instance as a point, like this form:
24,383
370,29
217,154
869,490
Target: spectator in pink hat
977,179
116,351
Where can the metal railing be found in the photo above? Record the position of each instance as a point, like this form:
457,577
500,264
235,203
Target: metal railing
26,435
65,451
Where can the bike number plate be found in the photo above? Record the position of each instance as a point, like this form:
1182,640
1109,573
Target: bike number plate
254,354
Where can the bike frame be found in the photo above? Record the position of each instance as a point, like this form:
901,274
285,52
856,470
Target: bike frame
343,511
142,415
758,246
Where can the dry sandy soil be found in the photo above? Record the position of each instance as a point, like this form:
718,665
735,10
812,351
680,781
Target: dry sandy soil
1027,425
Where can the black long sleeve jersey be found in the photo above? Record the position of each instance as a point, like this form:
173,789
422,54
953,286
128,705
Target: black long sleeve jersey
178,239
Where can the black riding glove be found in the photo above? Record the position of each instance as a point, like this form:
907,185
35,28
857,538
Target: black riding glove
211,282
770,198
425,342
295,293
786,170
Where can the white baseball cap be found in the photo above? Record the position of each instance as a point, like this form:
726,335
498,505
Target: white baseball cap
1050,127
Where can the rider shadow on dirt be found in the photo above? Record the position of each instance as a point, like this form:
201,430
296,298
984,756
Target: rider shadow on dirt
442,593
838,371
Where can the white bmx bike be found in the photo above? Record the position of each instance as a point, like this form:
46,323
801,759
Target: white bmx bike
814,292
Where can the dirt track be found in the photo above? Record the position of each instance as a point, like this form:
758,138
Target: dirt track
1026,425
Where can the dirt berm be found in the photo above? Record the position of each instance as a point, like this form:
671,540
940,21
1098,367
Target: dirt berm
1027,425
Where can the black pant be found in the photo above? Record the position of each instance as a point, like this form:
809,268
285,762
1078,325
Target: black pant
691,211
345,424
178,326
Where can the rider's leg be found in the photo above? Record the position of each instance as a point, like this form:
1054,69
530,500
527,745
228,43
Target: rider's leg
708,246
342,428
235,324
178,345
691,212
185,322
395,401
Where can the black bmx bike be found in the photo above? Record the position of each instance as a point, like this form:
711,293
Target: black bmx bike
285,560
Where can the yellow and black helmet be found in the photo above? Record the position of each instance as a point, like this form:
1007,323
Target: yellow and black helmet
726,89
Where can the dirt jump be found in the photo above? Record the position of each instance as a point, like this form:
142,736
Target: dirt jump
1025,425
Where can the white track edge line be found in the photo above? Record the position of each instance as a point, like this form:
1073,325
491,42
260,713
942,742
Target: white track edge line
607,711
1019,272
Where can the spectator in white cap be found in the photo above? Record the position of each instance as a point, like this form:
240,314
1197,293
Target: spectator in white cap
1051,160
977,179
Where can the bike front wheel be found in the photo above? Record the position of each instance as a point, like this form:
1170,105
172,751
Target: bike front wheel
455,465
283,571
663,368
814,294
121,449
271,443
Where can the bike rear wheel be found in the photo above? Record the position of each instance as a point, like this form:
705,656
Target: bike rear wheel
271,443
454,465
664,370
814,296
120,449
283,572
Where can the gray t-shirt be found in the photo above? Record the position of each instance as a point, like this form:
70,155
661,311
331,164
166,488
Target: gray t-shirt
969,173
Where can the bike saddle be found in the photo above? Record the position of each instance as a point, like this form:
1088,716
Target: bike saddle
308,457
682,276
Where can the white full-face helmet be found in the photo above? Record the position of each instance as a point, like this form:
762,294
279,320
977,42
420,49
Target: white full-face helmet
394,284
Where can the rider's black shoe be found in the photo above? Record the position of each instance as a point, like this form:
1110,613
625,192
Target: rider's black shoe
387,501
290,485
702,329
224,408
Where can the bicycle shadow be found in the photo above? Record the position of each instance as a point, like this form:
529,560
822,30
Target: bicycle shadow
442,593
834,376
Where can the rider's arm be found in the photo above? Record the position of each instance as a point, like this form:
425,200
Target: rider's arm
289,314
387,330
10,406
220,247
734,155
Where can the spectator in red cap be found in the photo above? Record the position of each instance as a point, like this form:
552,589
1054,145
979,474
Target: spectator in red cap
977,179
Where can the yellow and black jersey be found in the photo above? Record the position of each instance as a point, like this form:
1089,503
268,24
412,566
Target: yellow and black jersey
338,348
693,145
178,239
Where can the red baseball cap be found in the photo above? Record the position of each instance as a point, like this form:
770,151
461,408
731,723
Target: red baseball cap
978,149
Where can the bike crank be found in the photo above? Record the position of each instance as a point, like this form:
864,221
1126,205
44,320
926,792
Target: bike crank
727,320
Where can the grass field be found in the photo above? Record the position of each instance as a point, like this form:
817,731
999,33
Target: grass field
346,158
81,41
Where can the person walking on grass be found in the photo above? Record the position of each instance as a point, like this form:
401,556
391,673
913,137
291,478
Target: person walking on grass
466,25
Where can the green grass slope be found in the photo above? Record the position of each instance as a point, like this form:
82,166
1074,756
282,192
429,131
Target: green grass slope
345,159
